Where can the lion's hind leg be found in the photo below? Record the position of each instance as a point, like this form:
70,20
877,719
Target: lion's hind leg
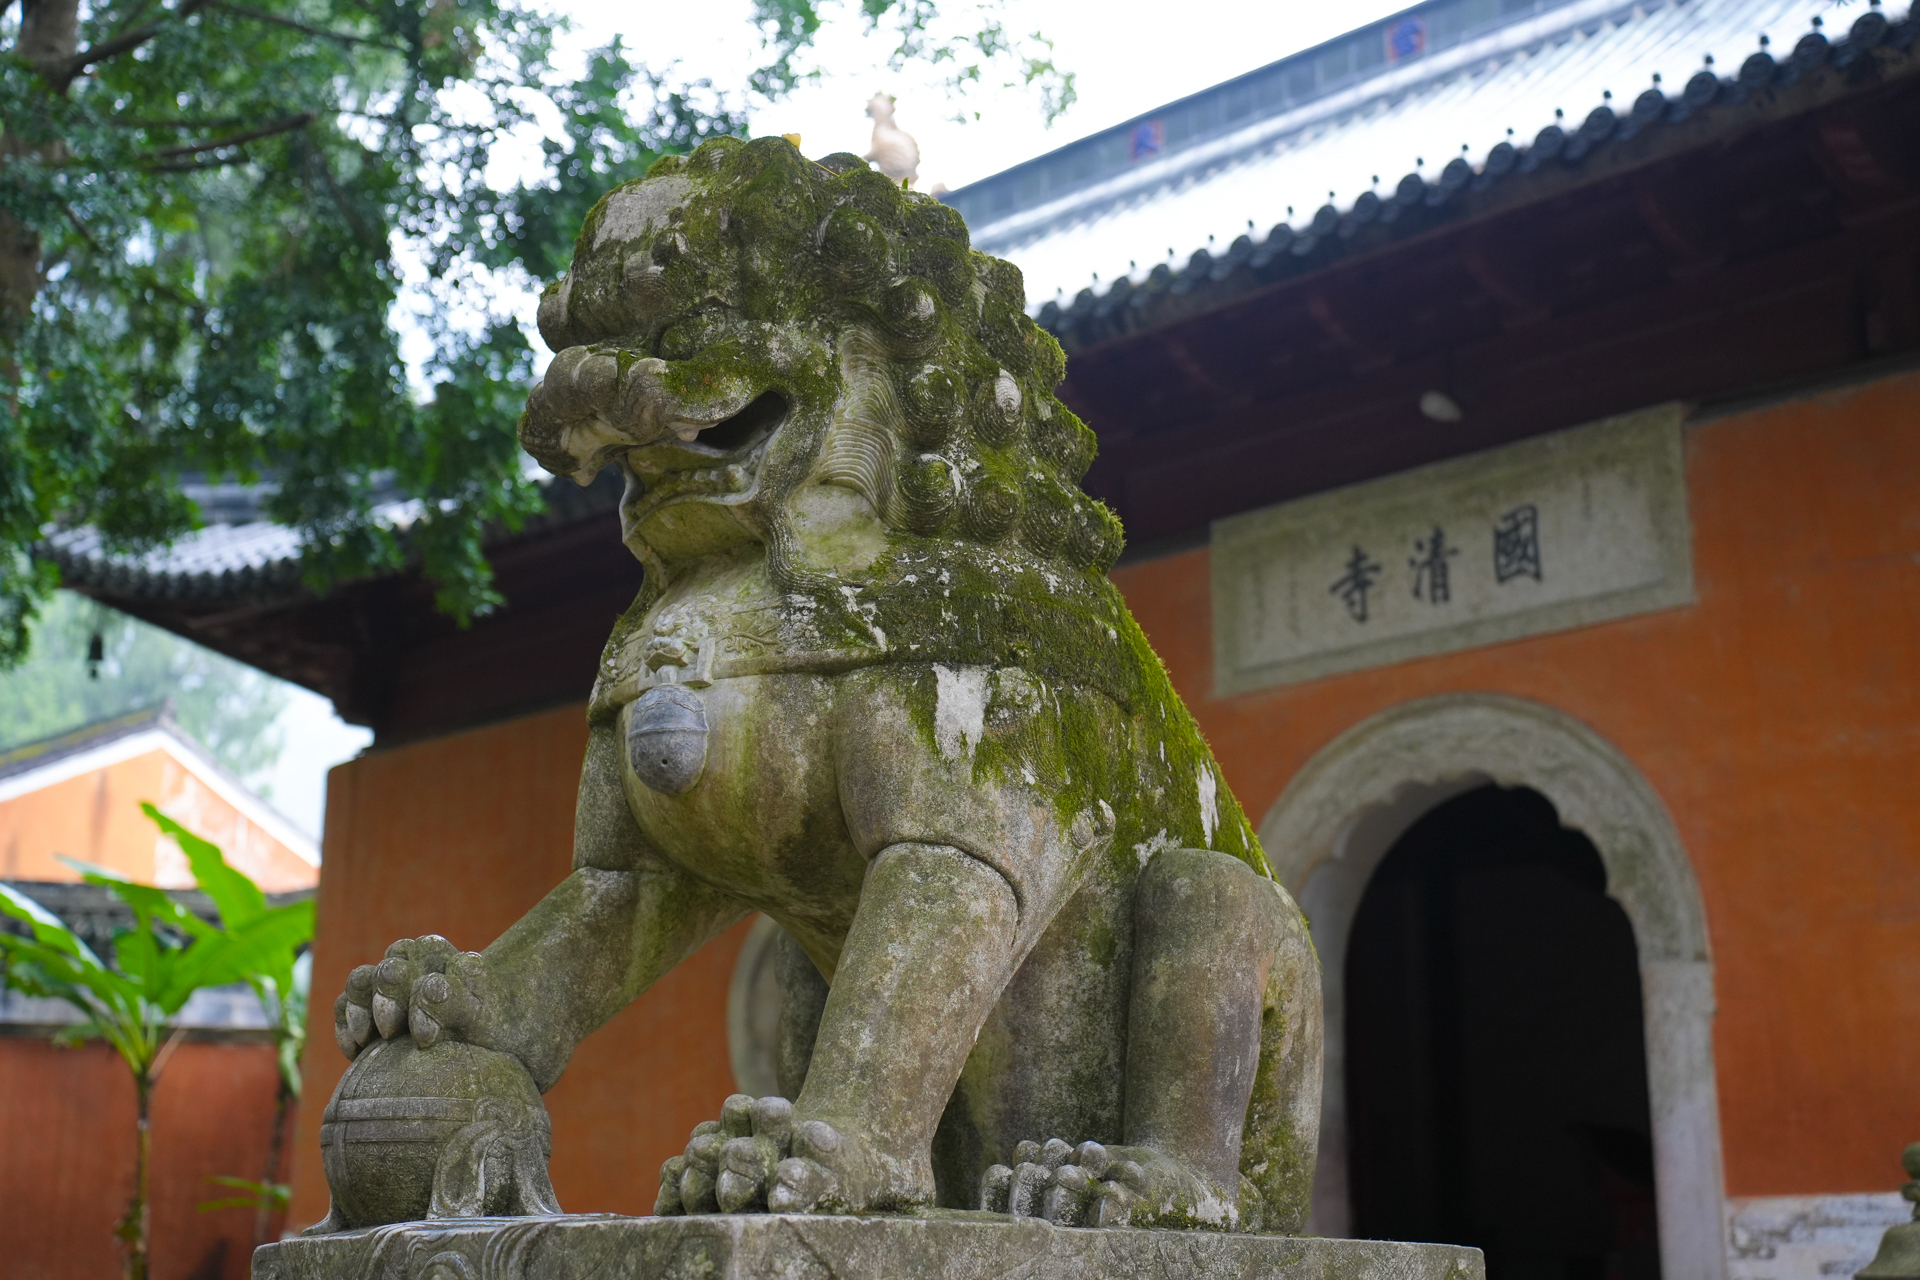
1223,1067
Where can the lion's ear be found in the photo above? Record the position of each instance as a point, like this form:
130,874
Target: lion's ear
556,326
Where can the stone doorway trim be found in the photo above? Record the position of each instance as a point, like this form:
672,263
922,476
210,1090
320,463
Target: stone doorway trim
1347,806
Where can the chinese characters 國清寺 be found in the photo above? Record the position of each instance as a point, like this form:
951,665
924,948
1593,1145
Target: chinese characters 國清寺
1516,554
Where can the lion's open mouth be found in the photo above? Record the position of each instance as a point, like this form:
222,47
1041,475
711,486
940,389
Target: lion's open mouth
746,428
721,462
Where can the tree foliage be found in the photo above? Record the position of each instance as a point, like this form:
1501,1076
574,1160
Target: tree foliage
972,46
206,211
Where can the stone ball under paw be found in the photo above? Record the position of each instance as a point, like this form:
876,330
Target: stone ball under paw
451,1131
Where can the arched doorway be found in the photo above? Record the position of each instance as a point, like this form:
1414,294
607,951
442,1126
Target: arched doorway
1339,816
1495,1063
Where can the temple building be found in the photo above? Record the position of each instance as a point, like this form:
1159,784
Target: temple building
1514,409
77,796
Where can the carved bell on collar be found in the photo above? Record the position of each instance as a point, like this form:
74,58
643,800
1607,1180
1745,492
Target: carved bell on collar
667,738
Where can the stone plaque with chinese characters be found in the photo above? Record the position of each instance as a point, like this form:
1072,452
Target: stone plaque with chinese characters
1566,530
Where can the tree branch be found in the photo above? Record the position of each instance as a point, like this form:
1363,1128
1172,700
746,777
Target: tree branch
285,124
339,197
219,122
81,227
135,14
121,44
260,15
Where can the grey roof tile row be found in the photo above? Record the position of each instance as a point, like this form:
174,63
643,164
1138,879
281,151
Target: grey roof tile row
256,560
1422,197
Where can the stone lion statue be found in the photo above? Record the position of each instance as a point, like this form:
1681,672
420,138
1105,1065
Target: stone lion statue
878,687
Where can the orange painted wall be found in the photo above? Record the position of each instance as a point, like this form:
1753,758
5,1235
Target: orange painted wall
66,1158
459,836
96,818
1779,719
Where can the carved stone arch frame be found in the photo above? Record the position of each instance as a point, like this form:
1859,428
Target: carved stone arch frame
1337,819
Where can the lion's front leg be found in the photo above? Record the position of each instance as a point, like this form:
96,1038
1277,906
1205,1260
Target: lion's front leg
965,870
971,860
931,948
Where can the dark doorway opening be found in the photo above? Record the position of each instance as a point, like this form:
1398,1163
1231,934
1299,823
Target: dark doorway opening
1496,1064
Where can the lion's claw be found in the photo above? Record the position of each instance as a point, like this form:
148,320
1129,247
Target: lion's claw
668,1203
698,1182
1092,1186
424,987
388,1015
744,1174
729,1164
754,1159
801,1186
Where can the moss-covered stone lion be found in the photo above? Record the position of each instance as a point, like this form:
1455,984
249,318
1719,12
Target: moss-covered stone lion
878,686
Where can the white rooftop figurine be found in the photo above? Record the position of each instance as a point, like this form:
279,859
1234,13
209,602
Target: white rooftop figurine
894,152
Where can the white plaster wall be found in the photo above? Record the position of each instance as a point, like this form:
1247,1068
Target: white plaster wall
1807,1237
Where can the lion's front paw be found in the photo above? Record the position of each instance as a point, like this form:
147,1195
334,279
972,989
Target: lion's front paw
1083,1186
425,987
732,1165
1097,1186
759,1159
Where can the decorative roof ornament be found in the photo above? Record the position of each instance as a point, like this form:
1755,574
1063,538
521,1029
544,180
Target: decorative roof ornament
894,152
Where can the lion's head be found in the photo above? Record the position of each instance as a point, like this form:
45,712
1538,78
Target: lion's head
744,326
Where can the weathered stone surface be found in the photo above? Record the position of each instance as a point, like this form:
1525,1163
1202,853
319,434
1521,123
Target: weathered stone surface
1898,1257
878,687
939,1246
448,1131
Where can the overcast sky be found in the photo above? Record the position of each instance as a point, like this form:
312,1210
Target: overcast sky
1126,58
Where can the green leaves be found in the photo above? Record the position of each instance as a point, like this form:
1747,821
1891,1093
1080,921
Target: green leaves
238,898
211,221
168,955
265,942
969,40
49,934
211,217
253,1195
55,963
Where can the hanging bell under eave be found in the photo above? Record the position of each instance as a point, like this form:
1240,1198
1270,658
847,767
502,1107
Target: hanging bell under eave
1899,1256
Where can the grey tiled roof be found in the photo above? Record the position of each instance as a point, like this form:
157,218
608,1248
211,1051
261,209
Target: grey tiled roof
41,752
222,560
1545,91
1317,81
241,555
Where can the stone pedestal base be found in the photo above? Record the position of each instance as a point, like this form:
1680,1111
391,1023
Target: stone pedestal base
938,1246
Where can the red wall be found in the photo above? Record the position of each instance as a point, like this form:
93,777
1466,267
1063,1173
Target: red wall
459,836
1779,719
66,1158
